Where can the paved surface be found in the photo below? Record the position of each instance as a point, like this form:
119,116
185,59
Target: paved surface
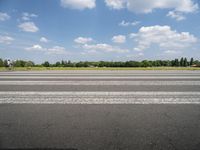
111,110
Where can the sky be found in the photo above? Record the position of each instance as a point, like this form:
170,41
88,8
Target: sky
94,30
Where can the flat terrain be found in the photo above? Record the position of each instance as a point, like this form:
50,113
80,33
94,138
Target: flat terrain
96,109
97,68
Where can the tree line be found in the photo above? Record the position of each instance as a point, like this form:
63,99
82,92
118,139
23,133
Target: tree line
182,62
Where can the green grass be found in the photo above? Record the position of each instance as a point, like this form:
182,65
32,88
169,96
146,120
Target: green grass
108,68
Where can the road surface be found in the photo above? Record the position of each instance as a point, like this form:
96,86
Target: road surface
97,110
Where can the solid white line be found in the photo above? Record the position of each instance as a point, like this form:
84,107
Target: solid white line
99,74
100,77
99,82
96,93
99,97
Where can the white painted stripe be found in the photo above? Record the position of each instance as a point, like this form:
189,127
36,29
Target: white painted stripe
99,74
99,82
100,77
96,93
99,97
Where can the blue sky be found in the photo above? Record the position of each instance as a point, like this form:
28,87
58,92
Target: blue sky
93,30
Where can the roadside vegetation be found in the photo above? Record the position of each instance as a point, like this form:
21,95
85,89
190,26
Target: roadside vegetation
176,64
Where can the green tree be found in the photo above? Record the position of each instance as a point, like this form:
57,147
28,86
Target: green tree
58,64
5,63
145,63
46,64
1,63
176,62
182,62
191,61
185,63
19,63
29,64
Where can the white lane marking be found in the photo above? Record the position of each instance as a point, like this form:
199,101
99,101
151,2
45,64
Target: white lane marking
99,97
100,74
99,82
100,77
95,93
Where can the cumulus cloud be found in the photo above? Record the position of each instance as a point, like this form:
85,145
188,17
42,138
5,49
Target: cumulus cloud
85,44
57,50
126,24
172,52
28,27
176,15
36,47
78,4
147,6
104,47
44,40
4,16
83,40
27,16
162,36
119,39
6,39
116,4
140,54
178,7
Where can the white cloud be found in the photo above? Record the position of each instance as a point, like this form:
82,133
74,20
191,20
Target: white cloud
26,16
172,52
93,48
35,47
55,50
4,16
119,39
135,55
163,37
147,6
6,39
126,24
44,40
28,27
176,15
104,47
116,4
78,4
83,40
180,7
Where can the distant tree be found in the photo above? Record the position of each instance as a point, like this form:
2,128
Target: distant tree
58,64
185,63
1,63
145,63
5,63
46,64
196,62
29,64
176,62
69,64
63,63
191,61
182,62
19,63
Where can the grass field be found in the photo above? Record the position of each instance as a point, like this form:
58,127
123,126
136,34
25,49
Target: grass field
108,68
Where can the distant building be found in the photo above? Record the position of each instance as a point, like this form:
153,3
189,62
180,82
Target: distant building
195,65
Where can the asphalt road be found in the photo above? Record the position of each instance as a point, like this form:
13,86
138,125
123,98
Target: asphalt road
97,110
